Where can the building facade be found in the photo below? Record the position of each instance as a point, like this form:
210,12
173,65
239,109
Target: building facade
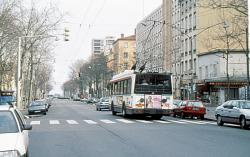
213,84
122,55
149,45
197,29
102,45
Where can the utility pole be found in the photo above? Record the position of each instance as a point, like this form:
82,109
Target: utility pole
227,57
247,56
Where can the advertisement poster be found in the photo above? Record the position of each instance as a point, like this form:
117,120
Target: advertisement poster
153,101
139,102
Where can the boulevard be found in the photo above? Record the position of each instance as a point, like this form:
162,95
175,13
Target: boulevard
73,128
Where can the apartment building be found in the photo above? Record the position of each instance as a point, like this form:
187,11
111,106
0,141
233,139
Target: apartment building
149,42
122,55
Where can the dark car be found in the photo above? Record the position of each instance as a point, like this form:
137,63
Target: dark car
37,107
190,108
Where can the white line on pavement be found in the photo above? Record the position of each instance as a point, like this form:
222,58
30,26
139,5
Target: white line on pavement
162,121
206,122
35,123
54,122
174,121
144,121
90,121
194,122
72,122
107,121
125,121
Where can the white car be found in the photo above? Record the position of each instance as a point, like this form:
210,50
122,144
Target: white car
234,111
14,138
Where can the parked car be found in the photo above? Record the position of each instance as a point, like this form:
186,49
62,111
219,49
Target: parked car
102,104
14,139
234,111
190,108
37,107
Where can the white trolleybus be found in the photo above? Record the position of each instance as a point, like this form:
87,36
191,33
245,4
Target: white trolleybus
148,94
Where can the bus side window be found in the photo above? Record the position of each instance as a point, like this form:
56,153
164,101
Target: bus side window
129,86
122,87
125,86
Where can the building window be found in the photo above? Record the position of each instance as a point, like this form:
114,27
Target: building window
125,65
190,65
194,42
126,45
190,22
194,66
206,72
186,66
194,20
125,54
200,72
190,45
215,70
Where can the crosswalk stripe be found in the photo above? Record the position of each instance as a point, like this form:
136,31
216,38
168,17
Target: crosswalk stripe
35,123
125,121
175,121
54,122
107,121
194,122
144,121
162,121
72,122
206,122
90,121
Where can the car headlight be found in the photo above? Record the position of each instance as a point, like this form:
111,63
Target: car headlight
10,153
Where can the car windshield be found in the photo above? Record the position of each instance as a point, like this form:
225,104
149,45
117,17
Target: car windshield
36,103
7,122
196,104
5,99
245,105
105,100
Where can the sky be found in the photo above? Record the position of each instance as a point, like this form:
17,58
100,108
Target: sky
88,19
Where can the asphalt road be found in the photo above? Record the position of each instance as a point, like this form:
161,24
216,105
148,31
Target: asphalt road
75,129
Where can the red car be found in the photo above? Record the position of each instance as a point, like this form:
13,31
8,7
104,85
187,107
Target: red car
190,108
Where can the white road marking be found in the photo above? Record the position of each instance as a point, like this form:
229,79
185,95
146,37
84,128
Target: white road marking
90,121
72,122
35,123
125,121
206,122
162,121
144,121
175,121
54,122
194,122
107,121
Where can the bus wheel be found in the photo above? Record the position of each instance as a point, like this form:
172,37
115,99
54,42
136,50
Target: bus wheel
157,117
112,109
124,114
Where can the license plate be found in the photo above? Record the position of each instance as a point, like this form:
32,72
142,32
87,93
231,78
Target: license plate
195,109
37,111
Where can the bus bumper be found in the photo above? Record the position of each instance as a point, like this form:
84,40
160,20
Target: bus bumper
149,111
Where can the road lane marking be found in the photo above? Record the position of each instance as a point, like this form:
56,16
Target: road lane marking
107,121
35,123
125,121
194,122
72,122
206,122
162,121
174,121
144,121
54,122
90,121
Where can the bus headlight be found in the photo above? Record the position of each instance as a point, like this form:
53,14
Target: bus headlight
10,153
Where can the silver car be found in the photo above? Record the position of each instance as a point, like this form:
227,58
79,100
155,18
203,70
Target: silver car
102,104
234,111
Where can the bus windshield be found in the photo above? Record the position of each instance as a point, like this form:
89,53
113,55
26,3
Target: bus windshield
153,83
